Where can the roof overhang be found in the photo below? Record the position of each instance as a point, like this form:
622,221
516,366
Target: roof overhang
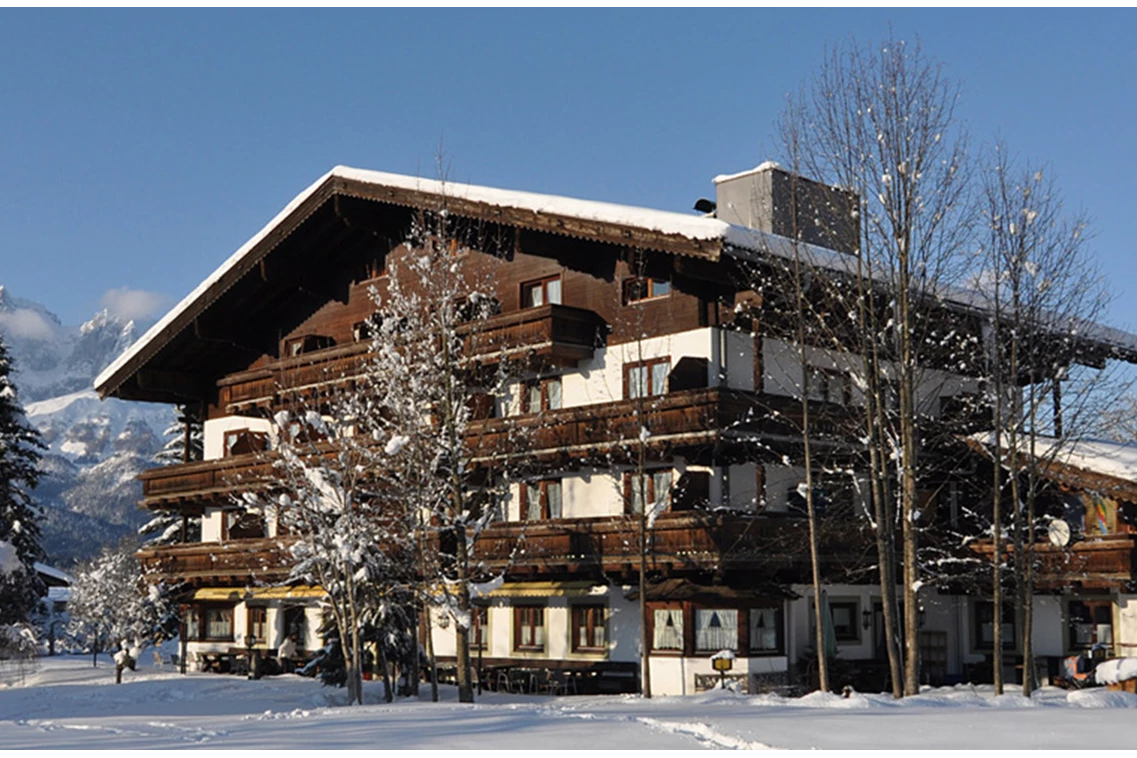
626,226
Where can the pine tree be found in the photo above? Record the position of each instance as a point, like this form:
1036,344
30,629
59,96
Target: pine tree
20,587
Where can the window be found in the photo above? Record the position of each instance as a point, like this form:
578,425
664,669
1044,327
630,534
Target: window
542,292
589,630
667,629
845,616
372,268
217,623
766,630
257,618
294,346
541,395
984,625
646,378
658,485
193,623
827,385
1089,623
529,628
644,288
542,500
243,441
362,331
480,633
716,629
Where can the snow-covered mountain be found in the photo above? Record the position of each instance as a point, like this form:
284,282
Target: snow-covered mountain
96,449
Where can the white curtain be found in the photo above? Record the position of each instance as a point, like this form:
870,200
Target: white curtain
668,634
716,629
764,629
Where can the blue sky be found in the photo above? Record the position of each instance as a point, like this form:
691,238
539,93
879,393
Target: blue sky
138,149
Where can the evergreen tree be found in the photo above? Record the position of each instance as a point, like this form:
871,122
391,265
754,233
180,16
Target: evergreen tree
20,587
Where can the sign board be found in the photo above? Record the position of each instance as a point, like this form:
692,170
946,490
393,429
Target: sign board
722,664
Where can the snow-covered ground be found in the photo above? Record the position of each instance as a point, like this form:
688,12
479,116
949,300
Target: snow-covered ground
70,705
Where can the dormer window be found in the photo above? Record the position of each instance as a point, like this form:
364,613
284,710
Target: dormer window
541,292
309,343
243,442
645,288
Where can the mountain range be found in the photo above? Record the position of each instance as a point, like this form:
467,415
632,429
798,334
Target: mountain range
95,449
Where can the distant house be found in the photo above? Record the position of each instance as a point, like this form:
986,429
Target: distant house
609,305
54,604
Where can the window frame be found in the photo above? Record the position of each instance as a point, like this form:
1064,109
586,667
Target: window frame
233,437
649,285
541,285
854,607
542,384
674,610
697,611
542,486
479,626
648,365
779,631
252,622
535,612
201,612
649,479
589,612
982,614
827,377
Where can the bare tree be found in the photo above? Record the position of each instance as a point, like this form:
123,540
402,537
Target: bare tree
880,122
1045,296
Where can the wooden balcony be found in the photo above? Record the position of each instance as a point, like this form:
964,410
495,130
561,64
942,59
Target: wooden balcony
552,334
231,563
189,487
700,541
556,334
685,418
1095,563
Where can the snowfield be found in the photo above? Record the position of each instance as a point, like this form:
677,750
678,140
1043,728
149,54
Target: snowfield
68,704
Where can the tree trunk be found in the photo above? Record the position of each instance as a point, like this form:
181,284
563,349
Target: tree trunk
432,663
465,681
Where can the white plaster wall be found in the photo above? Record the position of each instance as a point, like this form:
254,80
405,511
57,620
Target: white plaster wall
592,493
215,428
211,525
1125,636
743,484
777,482
595,493
675,675
782,374
1047,631
739,360
800,634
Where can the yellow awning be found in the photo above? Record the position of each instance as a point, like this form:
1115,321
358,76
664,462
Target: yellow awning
547,589
237,594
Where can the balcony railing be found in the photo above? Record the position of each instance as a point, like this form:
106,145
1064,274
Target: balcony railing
235,562
685,418
557,334
1099,563
694,540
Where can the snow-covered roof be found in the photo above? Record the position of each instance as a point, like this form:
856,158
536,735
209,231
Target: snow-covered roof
710,235
682,225
54,573
1113,459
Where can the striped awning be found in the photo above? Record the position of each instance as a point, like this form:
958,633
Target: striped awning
237,594
549,589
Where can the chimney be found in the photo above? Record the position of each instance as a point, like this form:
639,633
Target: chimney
763,198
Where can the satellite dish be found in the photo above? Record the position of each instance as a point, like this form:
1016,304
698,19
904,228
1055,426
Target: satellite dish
1059,533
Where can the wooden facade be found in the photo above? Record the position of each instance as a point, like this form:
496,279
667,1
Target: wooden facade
286,321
